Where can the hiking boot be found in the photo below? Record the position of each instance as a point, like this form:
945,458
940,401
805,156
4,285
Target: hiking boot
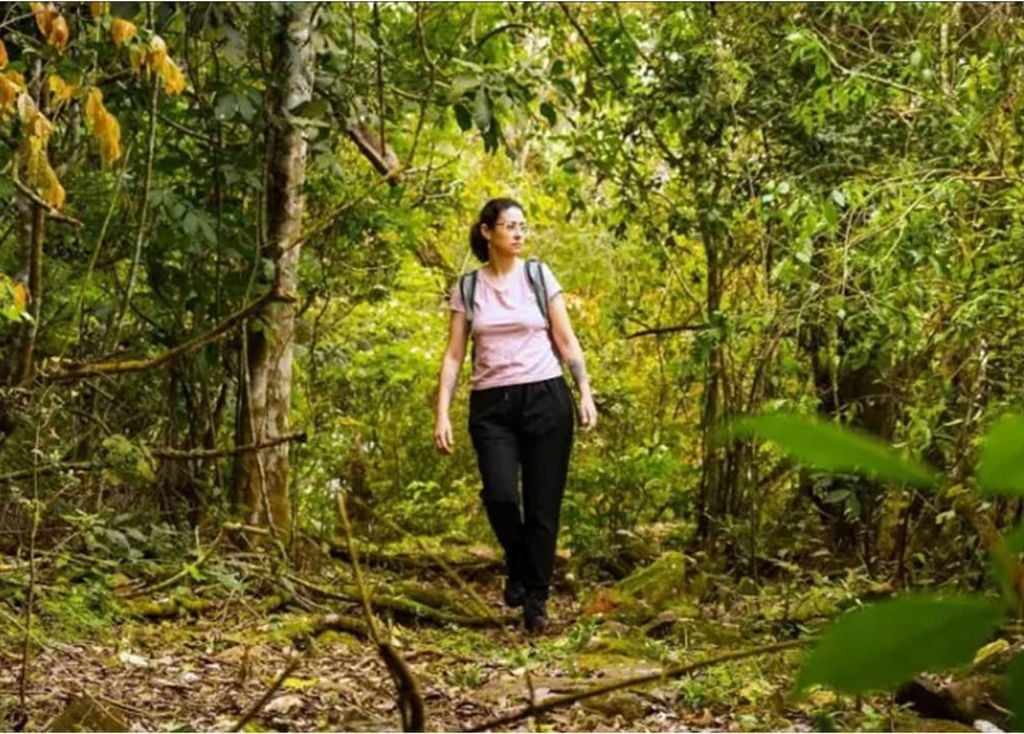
535,614
515,593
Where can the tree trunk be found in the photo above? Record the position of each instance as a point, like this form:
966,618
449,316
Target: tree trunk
261,477
709,498
35,289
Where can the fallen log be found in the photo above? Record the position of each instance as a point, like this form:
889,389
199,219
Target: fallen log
966,700
407,610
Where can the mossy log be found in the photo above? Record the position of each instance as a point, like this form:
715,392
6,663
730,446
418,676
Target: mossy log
167,608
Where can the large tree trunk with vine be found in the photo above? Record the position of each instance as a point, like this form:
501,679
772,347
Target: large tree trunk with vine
261,477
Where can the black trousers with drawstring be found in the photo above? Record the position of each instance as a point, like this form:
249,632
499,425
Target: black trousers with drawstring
524,429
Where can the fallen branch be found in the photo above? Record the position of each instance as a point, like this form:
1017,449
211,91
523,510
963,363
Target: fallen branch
407,609
168,608
116,367
675,672
426,561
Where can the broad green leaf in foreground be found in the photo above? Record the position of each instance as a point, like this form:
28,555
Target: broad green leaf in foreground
1002,563
882,645
1015,691
1001,463
832,448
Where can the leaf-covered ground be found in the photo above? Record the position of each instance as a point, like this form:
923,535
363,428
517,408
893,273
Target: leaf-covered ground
201,670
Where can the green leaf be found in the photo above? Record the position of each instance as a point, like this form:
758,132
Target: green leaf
1001,464
882,645
482,110
1015,691
463,117
548,111
832,448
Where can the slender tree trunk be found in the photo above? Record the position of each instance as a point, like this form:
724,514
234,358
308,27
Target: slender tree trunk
262,476
709,500
35,289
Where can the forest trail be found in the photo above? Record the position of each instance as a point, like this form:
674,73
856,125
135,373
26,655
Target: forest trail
203,670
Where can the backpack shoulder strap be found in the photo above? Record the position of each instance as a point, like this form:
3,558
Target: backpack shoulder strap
467,289
535,274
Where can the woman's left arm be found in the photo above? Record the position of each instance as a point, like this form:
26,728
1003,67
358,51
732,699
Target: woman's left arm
571,354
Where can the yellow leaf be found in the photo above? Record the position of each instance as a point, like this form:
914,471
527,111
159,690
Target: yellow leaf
20,295
157,53
174,80
35,122
93,104
105,126
40,127
59,33
108,133
32,152
51,190
40,175
3,55
137,57
298,684
11,84
98,10
60,90
992,648
122,31
44,15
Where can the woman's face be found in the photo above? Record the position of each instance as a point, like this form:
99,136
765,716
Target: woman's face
508,233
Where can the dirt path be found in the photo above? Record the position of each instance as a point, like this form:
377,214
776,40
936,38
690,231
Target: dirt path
202,673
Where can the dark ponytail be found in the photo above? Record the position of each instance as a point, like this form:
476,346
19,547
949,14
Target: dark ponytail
489,216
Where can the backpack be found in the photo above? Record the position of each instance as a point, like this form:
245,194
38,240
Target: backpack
534,273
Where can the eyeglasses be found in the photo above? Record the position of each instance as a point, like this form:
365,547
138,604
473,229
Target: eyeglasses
514,227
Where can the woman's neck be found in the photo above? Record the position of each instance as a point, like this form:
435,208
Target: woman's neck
501,265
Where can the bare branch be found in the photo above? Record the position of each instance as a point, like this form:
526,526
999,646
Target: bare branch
667,330
95,369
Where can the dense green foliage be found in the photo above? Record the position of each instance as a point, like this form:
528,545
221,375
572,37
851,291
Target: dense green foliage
812,208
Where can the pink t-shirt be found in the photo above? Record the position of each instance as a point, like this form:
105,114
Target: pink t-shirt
512,342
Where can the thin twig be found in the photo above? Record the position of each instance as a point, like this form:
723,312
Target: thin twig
159,451
410,700
140,235
255,708
30,596
87,281
52,469
168,453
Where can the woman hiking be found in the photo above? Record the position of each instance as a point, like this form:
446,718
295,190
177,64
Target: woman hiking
520,409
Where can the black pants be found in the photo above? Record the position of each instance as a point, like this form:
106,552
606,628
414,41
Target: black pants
526,427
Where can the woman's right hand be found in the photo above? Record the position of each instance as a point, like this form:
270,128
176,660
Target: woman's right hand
443,434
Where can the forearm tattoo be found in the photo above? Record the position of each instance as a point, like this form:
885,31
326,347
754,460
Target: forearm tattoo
579,371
